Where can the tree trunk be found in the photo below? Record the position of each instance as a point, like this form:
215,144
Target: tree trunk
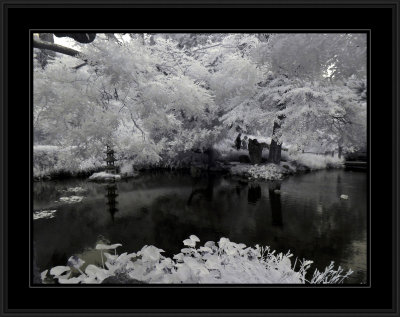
275,149
340,149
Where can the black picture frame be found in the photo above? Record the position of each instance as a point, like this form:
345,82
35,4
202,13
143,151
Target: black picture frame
380,18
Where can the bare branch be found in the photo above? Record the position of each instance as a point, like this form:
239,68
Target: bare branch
80,65
134,122
206,47
57,48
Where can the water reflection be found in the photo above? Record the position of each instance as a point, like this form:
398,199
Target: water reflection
111,196
240,186
274,190
254,194
203,192
339,185
303,214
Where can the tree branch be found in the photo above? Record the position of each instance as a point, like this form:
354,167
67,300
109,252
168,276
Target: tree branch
206,47
57,48
80,65
61,49
134,122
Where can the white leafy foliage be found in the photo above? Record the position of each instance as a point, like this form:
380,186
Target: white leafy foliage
184,91
228,263
187,250
71,199
63,278
179,257
194,238
209,244
107,247
59,270
95,274
330,276
204,249
189,242
261,172
44,214
110,256
315,162
150,253
43,275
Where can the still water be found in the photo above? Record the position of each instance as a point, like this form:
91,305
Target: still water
303,214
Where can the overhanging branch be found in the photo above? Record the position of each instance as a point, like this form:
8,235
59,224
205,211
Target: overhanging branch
61,49
56,48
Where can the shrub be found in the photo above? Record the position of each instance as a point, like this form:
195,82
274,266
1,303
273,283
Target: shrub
222,262
314,161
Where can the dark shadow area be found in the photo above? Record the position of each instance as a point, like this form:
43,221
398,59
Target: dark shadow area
203,193
253,194
275,203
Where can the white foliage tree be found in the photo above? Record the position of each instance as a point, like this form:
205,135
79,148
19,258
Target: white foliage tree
157,96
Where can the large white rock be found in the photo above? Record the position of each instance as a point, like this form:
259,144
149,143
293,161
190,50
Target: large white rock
103,176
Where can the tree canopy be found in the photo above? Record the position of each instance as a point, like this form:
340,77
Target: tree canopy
155,96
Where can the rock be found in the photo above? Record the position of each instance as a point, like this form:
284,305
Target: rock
255,151
103,176
344,196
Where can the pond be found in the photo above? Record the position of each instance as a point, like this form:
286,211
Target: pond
303,213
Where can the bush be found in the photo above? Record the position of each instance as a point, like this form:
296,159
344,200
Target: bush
224,262
261,172
53,161
315,161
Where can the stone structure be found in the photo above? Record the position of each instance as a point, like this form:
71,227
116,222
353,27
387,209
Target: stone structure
255,151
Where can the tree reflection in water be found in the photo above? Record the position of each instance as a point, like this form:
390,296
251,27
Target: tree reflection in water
275,202
153,209
204,193
254,194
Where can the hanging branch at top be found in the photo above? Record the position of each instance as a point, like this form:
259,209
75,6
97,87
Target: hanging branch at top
57,48
61,49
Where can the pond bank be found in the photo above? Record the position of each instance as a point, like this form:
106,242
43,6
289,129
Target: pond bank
264,171
51,163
